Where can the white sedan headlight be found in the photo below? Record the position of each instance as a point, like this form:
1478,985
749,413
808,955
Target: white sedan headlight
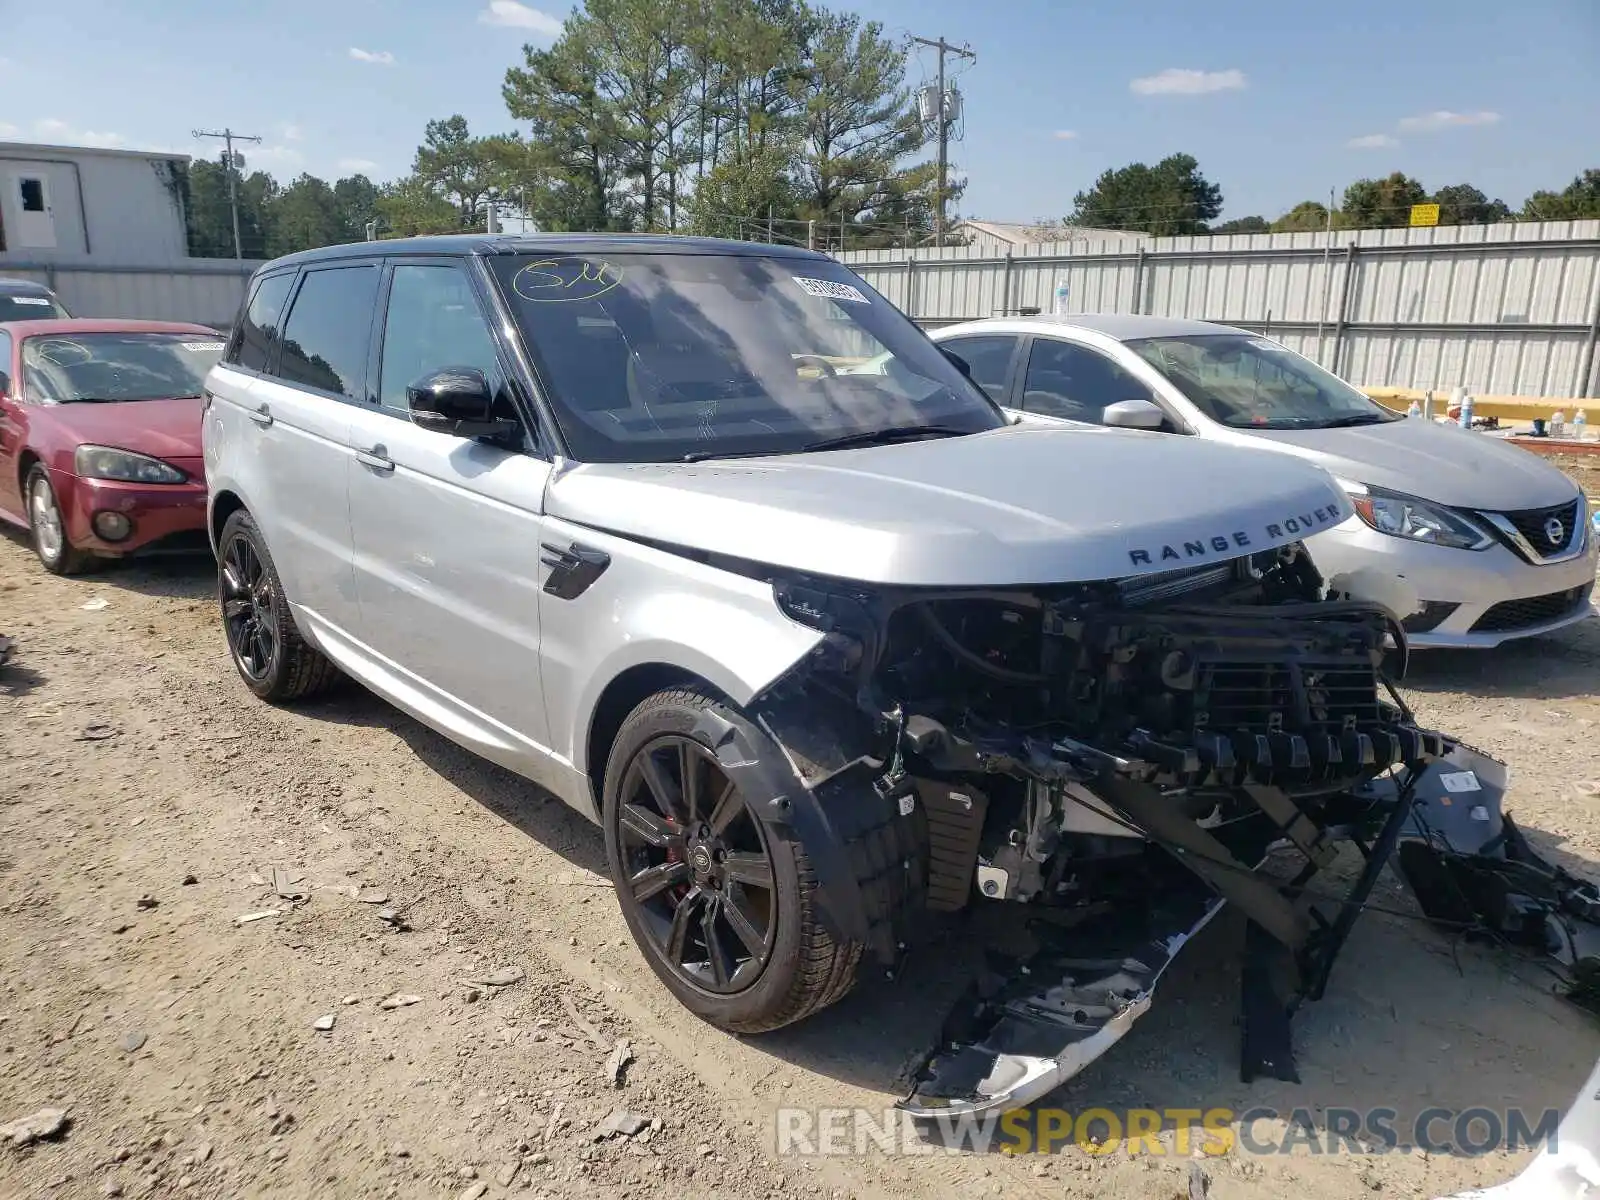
107,462
1410,517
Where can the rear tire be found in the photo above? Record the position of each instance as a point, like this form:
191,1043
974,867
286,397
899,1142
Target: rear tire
799,968
49,528
273,659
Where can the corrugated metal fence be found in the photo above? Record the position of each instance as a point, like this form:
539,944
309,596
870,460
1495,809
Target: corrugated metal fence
1499,309
198,289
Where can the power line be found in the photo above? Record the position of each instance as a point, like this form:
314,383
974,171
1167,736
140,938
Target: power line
942,121
232,162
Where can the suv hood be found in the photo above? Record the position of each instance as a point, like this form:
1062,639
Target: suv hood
1013,506
1442,463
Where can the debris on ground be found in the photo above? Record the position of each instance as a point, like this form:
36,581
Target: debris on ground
40,1126
98,731
372,896
402,1001
286,884
504,977
351,1000
617,1065
7,648
190,880
323,1023
585,1026
133,1041
147,902
620,1123
507,1173
1199,1182
95,604
258,916
474,1192
395,919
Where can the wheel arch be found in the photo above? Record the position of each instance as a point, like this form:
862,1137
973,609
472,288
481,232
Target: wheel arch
224,503
621,696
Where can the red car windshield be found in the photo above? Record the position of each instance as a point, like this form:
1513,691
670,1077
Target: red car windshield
113,367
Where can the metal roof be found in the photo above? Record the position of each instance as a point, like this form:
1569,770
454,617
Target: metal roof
567,243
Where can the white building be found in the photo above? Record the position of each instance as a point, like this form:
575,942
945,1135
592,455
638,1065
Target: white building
999,237
77,204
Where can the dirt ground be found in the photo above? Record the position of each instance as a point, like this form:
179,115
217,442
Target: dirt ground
147,802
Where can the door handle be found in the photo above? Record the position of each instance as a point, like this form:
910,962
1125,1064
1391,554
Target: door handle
377,458
262,416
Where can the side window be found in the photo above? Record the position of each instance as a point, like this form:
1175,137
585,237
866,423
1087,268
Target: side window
5,364
325,337
1071,381
433,321
988,357
251,344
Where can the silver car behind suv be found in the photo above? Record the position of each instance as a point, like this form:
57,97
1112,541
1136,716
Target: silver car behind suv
829,656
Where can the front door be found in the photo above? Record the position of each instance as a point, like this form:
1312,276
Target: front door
446,534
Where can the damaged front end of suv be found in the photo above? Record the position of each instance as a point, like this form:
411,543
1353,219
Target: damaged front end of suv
1121,757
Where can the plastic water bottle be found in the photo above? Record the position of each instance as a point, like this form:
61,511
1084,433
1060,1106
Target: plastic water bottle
1580,426
1415,410
1466,411
1061,298
1558,424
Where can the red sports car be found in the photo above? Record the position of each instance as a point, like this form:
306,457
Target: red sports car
100,436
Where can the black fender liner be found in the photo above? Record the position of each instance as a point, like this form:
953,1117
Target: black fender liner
863,850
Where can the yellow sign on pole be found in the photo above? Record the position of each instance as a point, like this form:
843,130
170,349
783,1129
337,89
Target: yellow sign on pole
1424,214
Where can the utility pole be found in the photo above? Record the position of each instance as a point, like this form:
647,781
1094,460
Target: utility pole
229,137
943,122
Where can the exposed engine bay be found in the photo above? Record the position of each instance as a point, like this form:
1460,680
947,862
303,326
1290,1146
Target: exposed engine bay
1123,758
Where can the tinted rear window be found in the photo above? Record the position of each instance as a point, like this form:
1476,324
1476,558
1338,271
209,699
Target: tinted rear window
326,334
251,344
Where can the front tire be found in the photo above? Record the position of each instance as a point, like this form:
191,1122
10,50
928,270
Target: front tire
721,904
49,528
273,659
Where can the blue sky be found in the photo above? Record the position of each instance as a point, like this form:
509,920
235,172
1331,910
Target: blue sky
1279,101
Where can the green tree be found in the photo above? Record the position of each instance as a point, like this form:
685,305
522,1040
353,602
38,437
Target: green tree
210,219
302,217
1578,201
1244,225
857,127
1380,203
734,198
1309,216
1169,199
355,202
411,206
1463,204
458,166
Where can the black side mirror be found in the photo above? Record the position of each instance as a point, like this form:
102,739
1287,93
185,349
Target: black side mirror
957,361
457,400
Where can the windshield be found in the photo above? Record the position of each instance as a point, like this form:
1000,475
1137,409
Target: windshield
28,306
659,357
1250,382
57,369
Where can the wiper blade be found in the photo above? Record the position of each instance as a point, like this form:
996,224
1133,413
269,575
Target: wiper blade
1356,419
884,437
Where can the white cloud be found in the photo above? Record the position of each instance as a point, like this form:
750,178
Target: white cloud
1444,119
1373,141
1064,135
519,16
357,165
293,133
270,155
8,130
1181,81
381,57
62,133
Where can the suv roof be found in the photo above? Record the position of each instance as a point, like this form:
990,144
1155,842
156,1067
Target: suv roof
569,243
26,286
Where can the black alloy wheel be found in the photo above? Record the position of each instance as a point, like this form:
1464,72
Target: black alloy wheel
700,870
249,607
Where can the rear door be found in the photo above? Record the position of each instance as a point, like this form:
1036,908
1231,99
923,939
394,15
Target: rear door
447,530
13,428
294,430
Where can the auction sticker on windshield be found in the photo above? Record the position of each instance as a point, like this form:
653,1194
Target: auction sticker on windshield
829,290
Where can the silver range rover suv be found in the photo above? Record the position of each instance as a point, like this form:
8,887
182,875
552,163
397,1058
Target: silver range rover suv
833,656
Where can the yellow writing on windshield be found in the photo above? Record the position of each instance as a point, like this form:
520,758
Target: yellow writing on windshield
560,280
